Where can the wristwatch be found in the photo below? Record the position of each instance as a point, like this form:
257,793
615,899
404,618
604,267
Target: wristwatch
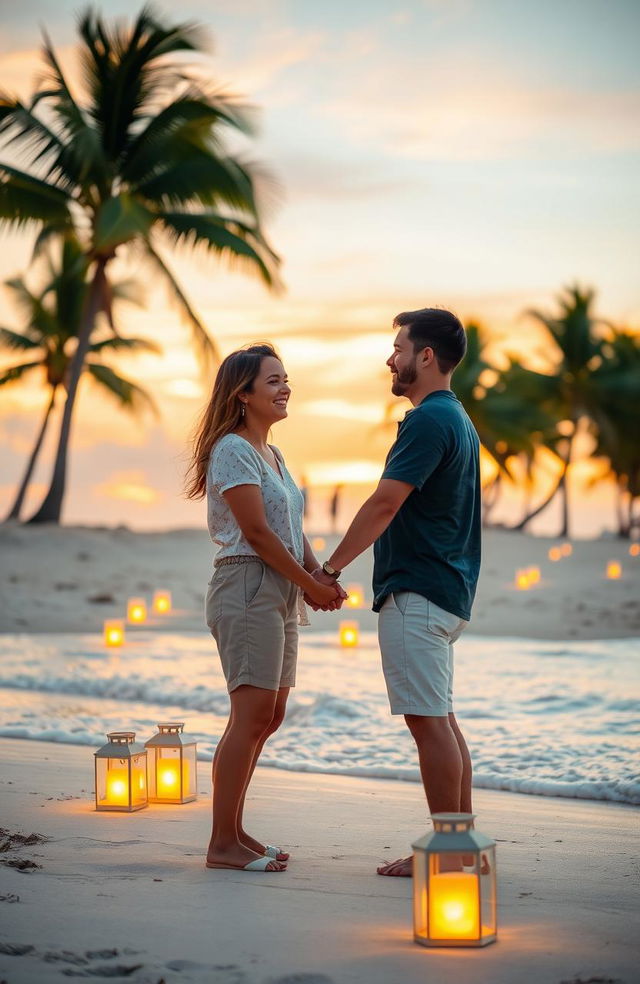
331,571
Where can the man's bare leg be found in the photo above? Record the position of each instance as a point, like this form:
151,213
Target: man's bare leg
442,767
467,770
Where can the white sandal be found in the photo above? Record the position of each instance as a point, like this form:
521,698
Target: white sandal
272,852
259,864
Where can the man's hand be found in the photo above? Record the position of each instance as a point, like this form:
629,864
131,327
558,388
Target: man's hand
322,578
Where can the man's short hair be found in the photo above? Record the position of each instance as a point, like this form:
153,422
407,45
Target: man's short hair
437,329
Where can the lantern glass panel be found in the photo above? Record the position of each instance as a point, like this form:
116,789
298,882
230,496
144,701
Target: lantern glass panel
488,913
172,765
121,774
420,894
453,901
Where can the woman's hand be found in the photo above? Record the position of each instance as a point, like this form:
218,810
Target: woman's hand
325,596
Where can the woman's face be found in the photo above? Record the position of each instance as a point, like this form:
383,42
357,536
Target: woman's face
270,394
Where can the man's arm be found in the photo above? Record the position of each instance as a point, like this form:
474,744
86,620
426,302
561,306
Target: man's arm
370,521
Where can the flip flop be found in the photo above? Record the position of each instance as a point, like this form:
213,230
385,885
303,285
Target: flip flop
260,864
272,852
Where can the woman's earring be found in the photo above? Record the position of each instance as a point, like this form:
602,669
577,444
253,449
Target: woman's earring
242,409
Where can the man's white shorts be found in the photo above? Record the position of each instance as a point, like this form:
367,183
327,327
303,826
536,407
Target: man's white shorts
416,641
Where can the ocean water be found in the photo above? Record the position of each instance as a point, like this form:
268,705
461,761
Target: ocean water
553,719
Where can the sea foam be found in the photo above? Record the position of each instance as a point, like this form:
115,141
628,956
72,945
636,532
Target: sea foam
541,718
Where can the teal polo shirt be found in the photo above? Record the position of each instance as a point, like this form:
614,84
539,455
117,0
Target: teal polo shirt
432,544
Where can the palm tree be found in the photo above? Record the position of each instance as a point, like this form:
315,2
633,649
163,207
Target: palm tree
510,424
567,394
53,319
138,165
615,399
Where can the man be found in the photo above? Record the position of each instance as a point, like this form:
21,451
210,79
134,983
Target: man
425,520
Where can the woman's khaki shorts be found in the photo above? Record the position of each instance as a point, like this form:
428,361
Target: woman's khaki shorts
252,613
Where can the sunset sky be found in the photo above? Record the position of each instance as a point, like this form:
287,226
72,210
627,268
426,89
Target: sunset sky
475,155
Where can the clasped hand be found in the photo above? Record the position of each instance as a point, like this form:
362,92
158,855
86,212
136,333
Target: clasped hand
323,600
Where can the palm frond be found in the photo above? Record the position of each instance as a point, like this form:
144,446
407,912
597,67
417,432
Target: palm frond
203,342
118,66
119,344
120,219
15,373
25,199
127,394
193,176
40,323
231,239
81,159
189,120
129,291
34,138
16,341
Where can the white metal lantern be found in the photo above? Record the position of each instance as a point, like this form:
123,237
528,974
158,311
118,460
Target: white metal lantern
172,765
454,884
121,774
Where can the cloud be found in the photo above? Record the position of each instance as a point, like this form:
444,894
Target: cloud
464,106
130,486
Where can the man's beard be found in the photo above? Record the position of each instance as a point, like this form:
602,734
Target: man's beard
404,378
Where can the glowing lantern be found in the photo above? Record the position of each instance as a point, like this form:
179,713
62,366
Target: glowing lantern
555,554
349,634
566,549
634,550
113,632
522,580
172,765
454,884
318,543
136,610
614,570
162,602
121,774
356,596
533,573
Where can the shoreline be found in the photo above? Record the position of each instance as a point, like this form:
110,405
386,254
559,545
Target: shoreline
132,890
478,789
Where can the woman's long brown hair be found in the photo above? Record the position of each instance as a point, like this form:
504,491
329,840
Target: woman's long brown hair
224,411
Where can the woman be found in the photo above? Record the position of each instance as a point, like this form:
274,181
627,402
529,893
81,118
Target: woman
263,566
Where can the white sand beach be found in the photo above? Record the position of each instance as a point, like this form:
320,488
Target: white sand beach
128,896
69,579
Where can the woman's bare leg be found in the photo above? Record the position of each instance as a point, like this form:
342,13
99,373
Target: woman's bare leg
252,710
274,724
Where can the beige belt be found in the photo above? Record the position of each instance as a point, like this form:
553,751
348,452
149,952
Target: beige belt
303,615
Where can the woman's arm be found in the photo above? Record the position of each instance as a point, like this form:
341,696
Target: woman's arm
246,504
310,562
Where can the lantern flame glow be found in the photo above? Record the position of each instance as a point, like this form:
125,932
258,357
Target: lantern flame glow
136,610
614,570
349,634
113,632
162,602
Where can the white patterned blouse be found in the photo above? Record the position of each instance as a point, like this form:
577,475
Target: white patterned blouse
235,461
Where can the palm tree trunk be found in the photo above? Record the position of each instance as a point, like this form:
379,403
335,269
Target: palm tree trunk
564,491
490,497
51,508
14,512
543,505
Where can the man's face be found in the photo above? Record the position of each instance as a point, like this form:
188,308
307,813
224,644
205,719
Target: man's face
402,363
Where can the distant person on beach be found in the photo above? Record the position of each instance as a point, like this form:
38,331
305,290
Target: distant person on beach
334,505
425,520
262,567
304,489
